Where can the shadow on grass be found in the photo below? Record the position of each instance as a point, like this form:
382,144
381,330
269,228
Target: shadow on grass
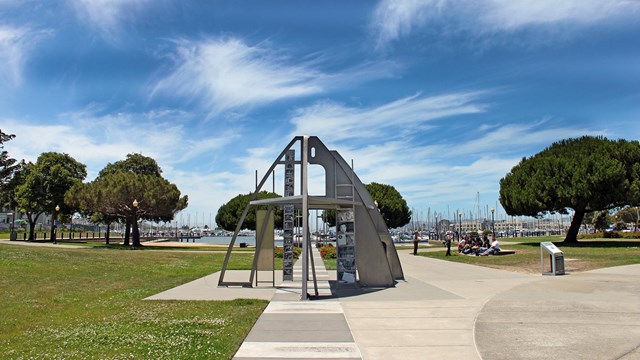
592,244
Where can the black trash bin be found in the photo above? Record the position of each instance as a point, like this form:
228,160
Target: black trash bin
243,245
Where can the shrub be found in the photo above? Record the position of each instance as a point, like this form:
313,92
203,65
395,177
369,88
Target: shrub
296,252
611,235
328,252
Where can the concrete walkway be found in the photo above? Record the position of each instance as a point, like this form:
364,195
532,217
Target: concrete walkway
447,310
41,244
431,315
294,329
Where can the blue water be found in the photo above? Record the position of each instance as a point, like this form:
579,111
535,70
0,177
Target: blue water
225,240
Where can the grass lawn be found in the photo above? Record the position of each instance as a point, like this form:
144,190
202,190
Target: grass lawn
586,255
330,264
158,246
87,303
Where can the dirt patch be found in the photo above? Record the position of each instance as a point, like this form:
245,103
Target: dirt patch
570,265
184,244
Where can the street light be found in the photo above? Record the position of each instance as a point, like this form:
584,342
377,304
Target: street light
460,233
493,229
455,224
135,235
54,224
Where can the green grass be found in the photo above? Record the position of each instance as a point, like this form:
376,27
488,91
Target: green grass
330,264
583,256
87,303
152,246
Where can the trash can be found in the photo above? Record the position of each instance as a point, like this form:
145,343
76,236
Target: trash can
556,259
243,244
13,236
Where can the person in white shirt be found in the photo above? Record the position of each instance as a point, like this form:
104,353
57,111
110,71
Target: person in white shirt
495,248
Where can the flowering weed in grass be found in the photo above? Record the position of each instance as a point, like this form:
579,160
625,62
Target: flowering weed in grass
156,329
87,304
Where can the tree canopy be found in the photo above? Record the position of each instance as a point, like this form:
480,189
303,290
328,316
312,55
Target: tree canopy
629,215
45,184
230,212
602,220
9,173
111,195
392,206
134,163
7,164
584,174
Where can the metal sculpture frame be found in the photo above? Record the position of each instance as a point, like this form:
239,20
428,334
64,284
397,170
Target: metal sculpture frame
376,257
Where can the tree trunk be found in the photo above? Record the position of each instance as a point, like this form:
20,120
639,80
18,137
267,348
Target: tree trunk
127,232
572,234
32,228
32,218
135,235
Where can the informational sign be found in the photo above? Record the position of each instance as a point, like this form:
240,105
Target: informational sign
346,246
556,259
551,248
288,216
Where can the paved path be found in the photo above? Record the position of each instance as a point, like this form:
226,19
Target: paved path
41,244
590,315
294,329
431,315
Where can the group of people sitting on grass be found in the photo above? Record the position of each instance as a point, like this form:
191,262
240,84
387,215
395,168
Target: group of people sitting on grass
477,246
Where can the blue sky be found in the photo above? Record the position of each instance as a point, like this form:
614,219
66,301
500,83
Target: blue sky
438,98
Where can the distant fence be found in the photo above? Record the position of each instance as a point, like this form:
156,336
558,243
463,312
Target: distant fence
82,236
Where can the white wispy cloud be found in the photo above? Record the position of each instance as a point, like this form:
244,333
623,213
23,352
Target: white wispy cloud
16,45
511,14
438,173
227,74
339,122
393,19
107,16
96,139
514,137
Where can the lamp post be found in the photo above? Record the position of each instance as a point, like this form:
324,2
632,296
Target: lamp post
460,220
493,229
135,235
54,224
